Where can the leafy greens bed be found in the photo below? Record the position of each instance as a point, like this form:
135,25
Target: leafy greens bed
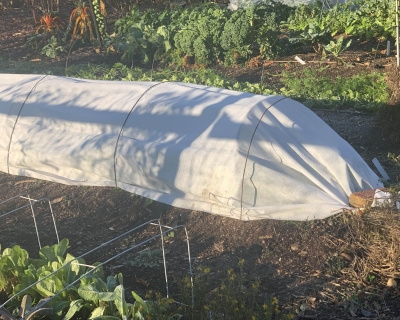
211,34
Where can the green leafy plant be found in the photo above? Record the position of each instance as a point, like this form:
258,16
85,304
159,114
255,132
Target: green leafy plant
313,35
203,76
373,19
368,91
336,48
268,38
27,311
302,16
98,298
206,34
13,263
239,35
51,48
144,35
362,18
370,278
200,36
148,258
18,272
235,297
91,297
142,41
48,35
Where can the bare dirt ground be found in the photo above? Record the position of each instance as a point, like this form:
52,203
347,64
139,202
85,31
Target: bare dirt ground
299,262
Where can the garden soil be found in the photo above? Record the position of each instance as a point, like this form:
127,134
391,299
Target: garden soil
298,262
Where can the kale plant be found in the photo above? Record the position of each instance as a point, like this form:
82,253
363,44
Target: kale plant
201,35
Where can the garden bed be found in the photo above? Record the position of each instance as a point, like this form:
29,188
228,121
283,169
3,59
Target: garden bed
300,263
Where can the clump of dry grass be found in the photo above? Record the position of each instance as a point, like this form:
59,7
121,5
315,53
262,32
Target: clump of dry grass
373,240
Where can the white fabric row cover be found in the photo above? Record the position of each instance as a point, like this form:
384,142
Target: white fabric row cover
195,147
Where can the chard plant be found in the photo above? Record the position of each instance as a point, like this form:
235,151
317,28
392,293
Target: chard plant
91,297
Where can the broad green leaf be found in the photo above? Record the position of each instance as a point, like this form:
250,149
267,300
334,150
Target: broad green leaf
18,259
37,263
111,283
74,270
100,285
61,248
139,299
89,293
348,44
74,307
106,296
138,307
98,312
99,272
349,30
49,286
106,318
48,254
86,281
28,278
119,301
59,306
26,305
55,265
3,280
54,252
7,252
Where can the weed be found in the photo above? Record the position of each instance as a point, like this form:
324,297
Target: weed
236,297
148,202
51,48
147,258
335,265
370,278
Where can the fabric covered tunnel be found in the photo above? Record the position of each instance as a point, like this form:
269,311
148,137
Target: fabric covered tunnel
195,147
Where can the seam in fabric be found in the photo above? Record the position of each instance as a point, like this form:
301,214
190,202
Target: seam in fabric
123,125
248,152
16,120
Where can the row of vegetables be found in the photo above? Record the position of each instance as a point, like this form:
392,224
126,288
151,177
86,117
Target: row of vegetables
210,33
